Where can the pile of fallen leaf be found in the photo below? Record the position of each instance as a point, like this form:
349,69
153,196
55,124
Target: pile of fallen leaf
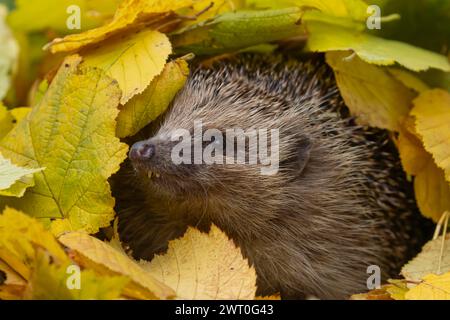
68,97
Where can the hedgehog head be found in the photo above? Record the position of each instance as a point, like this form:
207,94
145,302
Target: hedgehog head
223,139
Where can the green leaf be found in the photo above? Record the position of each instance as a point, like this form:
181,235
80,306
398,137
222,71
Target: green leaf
238,30
356,9
334,37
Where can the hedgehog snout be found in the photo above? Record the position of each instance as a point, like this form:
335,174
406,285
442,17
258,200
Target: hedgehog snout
142,151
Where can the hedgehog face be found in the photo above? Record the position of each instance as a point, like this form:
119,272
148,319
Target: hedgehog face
202,160
224,138
152,162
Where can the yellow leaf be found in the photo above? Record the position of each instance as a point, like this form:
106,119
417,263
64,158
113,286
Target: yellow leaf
39,15
37,92
146,107
12,285
20,113
14,180
397,289
133,60
6,121
371,93
52,281
412,154
72,134
409,79
19,236
8,118
432,191
427,261
104,259
432,112
205,266
333,37
433,287
128,13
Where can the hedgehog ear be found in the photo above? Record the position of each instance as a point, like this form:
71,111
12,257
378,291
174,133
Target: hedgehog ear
303,153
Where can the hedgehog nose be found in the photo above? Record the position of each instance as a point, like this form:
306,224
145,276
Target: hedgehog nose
142,150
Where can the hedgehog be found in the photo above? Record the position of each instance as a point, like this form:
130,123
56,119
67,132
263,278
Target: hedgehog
337,203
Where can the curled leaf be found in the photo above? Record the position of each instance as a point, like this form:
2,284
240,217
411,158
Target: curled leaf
133,60
129,13
52,281
146,107
96,255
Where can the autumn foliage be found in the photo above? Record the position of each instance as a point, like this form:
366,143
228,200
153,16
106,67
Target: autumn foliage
69,97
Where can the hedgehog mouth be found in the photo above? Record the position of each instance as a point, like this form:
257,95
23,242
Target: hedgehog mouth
146,171
152,174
